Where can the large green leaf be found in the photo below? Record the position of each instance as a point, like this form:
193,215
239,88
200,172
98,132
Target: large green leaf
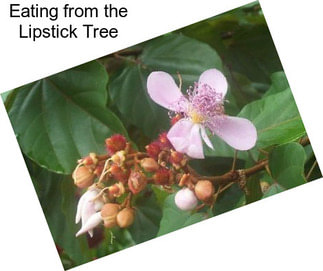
63,117
276,118
57,197
174,219
286,163
279,83
147,219
171,53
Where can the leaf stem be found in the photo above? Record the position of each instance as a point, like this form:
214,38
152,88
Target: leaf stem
308,175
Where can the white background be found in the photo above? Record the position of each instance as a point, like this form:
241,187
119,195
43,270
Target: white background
284,232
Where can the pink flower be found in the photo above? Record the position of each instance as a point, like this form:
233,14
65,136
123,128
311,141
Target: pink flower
202,109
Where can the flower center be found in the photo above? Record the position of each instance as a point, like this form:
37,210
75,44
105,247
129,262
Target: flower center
196,117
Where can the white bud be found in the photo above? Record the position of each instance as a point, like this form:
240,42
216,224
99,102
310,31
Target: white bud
185,199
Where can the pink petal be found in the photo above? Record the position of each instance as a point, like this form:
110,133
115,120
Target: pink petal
91,223
162,89
215,79
195,146
185,137
179,133
239,133
206,138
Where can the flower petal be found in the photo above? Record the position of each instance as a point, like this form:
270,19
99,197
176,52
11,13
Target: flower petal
215,79
91,223
206,138
79,209
88,206
195,146
162,89
239,133
179,133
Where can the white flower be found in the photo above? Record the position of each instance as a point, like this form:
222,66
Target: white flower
87,211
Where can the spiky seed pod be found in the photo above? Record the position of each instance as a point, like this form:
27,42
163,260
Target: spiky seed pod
115,143
163,176
153,149
126,217
109,213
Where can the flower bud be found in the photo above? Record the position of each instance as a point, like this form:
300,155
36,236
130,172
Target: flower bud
153,149
109,213
204,190
186,180
125,217
163,140
137,181
116,190
98,170
83,177
149,164
163,176
118,173
115,143
177,159
119,157
91,159
185,199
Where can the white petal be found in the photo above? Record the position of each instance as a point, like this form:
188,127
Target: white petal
79,209
206,138
91,223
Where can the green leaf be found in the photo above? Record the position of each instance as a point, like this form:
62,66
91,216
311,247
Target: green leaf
276,118
147,219
175,219
170,53
63,117
273,189
56,194
229,200
286,163
253,188
279,83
